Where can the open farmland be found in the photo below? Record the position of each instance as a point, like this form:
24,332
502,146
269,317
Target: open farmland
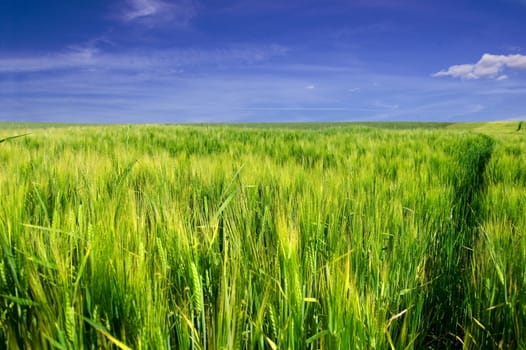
263,237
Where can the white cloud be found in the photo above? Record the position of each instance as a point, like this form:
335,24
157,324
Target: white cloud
72,58
142,8
78,57
156,12
489,66
310,87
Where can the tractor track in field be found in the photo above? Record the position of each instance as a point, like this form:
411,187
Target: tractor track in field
451,250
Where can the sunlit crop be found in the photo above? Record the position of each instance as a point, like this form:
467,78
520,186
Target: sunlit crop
263,237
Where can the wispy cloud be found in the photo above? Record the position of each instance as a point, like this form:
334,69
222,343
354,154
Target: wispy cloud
142,8
244,95
157,12
94,83
90,57
489,66
67,59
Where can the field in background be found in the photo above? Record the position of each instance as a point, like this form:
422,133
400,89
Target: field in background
297,236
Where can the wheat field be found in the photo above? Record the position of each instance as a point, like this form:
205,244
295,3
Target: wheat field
307,236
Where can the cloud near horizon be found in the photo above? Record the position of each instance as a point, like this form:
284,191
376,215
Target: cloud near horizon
489,67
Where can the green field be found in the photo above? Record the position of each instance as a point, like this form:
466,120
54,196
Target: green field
267,236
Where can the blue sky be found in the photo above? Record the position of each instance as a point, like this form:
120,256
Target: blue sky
173,61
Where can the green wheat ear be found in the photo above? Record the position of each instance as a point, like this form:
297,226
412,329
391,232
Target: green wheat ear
13,137
197,296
